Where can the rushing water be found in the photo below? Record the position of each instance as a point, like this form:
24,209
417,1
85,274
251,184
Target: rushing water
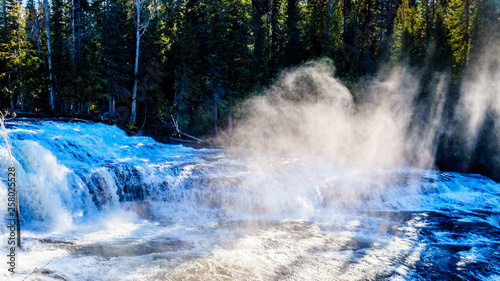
98,205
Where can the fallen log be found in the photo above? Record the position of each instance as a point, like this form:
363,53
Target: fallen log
175,128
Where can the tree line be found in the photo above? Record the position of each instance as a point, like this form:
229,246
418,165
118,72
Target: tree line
196,61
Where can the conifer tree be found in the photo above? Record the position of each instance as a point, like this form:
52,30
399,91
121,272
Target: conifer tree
293,44
114,38
460,18
10,52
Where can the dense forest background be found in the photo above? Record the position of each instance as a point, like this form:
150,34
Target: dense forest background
196,62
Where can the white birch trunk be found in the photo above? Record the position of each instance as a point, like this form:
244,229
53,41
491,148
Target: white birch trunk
140,28
133,113
112,104
73,42
47,28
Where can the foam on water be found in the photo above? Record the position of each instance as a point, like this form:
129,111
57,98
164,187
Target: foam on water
98,205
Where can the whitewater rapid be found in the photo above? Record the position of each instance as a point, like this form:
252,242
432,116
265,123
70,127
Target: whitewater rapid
97,204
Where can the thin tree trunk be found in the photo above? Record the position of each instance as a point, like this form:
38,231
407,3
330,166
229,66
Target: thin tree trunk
11,95
136,63
112,104
271,23
73,38
38,33
182,88
47,28
216,127
140,28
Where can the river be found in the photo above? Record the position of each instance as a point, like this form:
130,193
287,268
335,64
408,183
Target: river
97,204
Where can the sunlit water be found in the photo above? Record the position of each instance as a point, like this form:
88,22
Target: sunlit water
98,205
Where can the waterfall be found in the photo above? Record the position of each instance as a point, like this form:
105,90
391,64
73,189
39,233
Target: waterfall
97,204
70,170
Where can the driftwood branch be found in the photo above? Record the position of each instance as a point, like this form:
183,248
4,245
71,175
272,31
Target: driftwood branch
176,128
36,270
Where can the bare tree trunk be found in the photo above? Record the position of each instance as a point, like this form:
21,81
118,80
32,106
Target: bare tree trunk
138,7
73,38
230,122
11,95
271,24
216,127
112,104
78,52
136,65
47,28
140,28
182,88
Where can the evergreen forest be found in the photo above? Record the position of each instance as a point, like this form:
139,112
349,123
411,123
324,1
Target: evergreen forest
192,64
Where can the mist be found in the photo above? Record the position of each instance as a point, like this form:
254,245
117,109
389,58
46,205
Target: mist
480,93
385,124
309,111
